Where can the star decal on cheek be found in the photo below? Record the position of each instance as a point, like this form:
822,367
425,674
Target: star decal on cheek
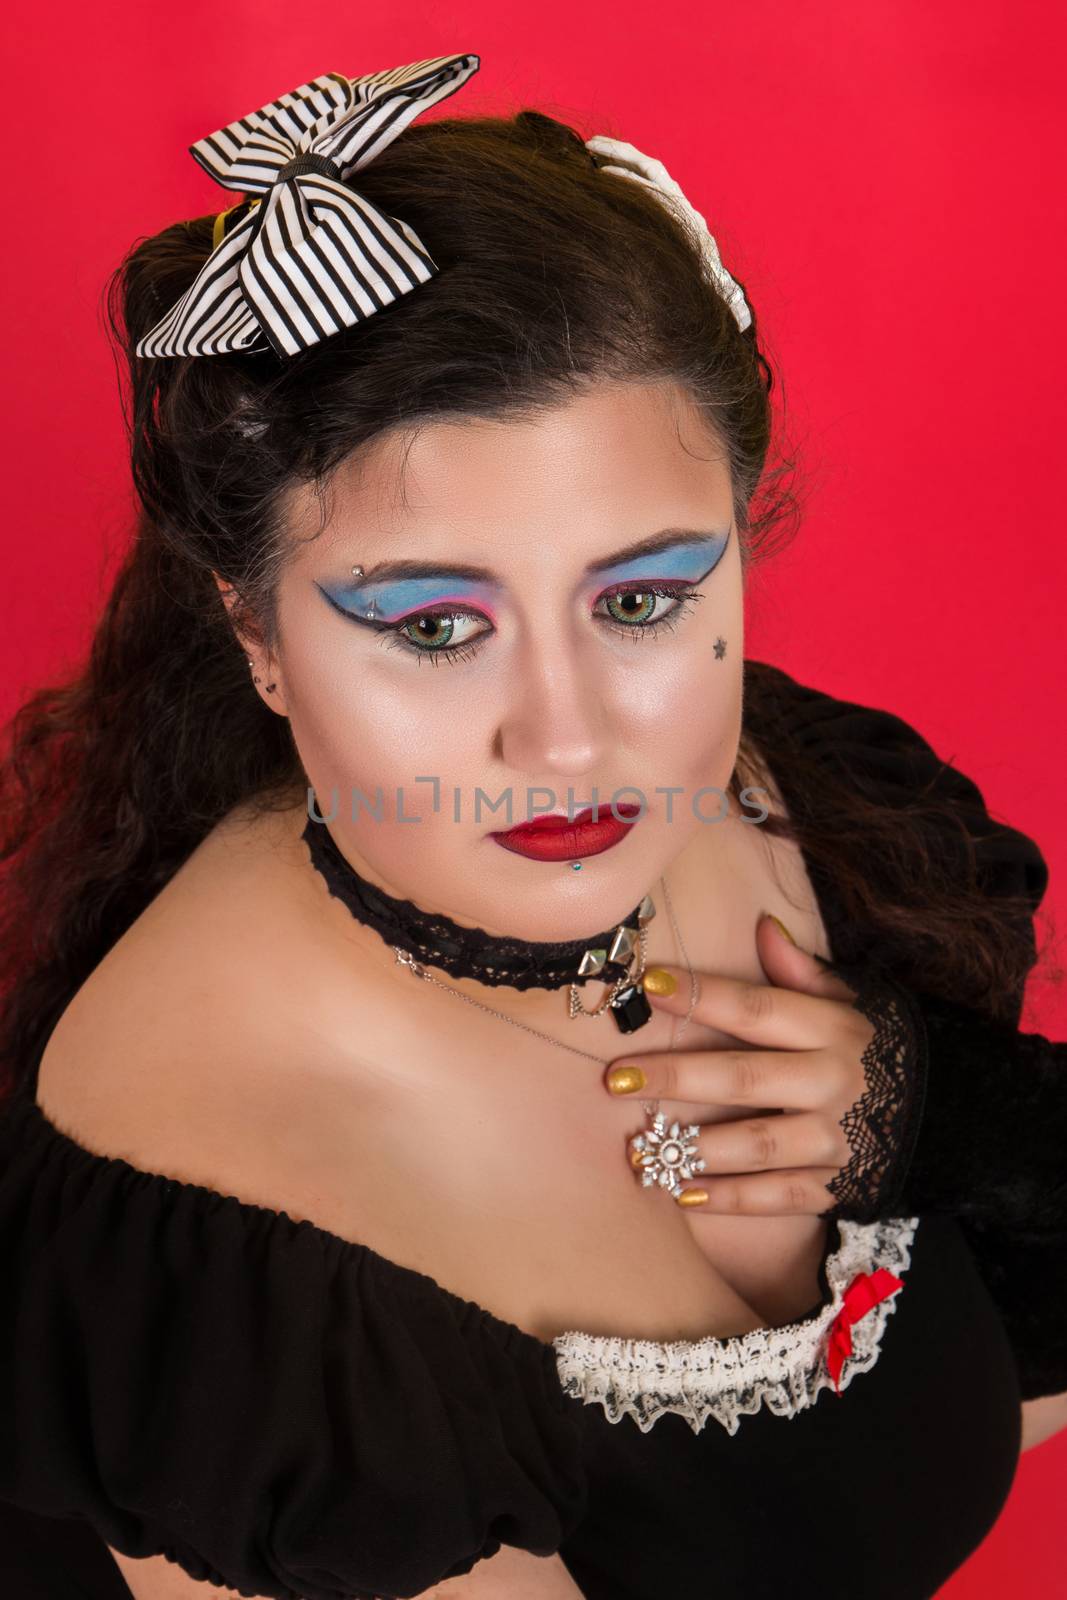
720,649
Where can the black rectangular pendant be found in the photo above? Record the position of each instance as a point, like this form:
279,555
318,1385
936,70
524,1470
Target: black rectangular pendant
630,1008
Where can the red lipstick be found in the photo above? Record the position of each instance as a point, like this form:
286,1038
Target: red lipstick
559,839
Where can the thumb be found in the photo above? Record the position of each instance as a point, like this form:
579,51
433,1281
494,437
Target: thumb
788,966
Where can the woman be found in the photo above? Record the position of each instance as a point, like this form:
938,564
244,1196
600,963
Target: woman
348,1256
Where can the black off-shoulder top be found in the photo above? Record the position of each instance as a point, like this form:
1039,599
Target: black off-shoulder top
290,1414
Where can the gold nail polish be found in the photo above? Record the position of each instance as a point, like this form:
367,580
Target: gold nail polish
692,1197
625,1080
783,927
636,1157
657,980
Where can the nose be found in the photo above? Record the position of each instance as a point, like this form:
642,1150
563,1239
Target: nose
559,723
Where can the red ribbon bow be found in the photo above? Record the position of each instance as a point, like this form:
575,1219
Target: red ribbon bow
865,1291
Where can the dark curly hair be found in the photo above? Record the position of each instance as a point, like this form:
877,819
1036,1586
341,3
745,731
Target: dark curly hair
553,274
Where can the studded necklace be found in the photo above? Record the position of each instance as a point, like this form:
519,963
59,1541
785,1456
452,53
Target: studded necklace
420,939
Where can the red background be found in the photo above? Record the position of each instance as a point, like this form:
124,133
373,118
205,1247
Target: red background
886,178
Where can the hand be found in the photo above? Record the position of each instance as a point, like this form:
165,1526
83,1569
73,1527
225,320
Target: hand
812,1060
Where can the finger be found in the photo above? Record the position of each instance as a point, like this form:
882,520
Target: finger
800,1080
759,1013
789,966
828,986
786,1193
759,1144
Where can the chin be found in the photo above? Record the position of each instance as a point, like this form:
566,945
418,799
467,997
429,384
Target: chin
549,902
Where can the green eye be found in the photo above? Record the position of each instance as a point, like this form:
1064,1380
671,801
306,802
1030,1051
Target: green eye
433,632
631,613
635,606
634,611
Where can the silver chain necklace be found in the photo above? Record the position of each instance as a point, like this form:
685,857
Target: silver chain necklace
649,1106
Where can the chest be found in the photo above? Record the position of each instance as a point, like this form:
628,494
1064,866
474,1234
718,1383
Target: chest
503,1173
541,1221
498,1165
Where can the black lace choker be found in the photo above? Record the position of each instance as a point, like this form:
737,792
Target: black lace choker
436,940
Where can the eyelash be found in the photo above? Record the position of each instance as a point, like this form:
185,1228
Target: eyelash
394,637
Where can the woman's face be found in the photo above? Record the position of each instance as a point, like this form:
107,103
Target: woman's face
505,645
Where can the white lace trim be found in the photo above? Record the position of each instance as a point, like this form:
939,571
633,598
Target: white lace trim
783,1368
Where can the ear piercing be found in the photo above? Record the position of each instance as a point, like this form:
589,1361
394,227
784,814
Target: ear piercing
270,688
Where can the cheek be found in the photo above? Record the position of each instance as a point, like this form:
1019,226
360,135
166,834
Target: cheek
697,746
683,704
362,724
362,766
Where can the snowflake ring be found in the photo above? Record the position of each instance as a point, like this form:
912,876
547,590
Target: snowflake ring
666,1154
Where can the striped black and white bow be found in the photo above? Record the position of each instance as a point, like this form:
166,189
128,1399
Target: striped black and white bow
311,256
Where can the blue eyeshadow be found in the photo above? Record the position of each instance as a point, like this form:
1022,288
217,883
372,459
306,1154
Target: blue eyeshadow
689,562
385,602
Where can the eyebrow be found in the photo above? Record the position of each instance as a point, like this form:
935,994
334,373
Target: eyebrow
667,538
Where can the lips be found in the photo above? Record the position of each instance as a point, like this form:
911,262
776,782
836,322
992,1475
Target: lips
561,839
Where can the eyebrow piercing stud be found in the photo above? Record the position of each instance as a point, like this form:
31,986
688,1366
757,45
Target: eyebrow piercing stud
372,609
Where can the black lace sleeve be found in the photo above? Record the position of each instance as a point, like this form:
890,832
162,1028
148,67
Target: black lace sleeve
961,1115
967,1117
883,1126
993,1153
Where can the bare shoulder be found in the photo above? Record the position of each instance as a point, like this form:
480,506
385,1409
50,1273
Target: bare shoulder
218,1041
1042,1418
156,1578
510,1572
